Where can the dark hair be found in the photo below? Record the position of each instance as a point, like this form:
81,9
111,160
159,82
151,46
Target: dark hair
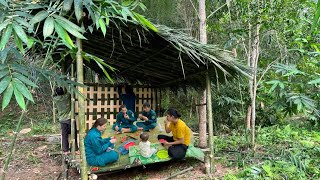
144,136
59,91
146,104
99,122
128,89
122,106
173,112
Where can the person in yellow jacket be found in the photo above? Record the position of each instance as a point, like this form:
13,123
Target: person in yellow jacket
177,144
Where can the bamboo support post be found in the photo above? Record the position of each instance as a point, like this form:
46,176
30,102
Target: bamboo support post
81,114
210,122
73,127
65,169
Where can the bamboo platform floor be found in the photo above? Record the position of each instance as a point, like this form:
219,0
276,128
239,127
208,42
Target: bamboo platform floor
124,160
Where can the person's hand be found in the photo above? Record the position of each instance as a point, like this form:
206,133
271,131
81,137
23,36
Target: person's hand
140,116
117,128
126,116
113,140
166,122
166,144
144,118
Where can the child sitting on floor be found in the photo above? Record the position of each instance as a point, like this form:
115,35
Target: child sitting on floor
144,145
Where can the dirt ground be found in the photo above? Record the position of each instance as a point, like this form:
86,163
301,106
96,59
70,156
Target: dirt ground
33,160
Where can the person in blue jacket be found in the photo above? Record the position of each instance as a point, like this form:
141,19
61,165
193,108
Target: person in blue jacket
124,122
129,98
99,151
149,117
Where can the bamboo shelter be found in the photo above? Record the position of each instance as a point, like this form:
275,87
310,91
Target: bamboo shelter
151,61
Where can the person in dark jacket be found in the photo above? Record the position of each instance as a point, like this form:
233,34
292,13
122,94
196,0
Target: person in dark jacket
99,151
149,117
124,122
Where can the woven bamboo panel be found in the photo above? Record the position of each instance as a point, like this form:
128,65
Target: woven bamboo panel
104,101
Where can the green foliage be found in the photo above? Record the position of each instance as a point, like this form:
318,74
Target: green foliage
55,21
292,93
287,152
184,101
229,105
17,78
316,17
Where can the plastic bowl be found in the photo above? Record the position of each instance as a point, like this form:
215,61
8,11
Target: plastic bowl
162,154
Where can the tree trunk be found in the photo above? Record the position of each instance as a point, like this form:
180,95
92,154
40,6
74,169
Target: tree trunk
81,115
202,120
248,118
207,92
210,120
202,107
255,59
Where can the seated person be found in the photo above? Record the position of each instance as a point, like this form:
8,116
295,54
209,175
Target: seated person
144,146
124,122
177,144
99,151
149,117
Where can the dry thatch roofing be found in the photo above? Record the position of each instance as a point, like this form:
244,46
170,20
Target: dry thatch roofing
157,58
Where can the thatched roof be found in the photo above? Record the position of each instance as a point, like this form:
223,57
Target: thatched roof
157,58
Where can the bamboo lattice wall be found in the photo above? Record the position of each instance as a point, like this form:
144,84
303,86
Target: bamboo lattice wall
104,101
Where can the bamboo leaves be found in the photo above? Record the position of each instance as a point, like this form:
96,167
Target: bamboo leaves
10,85
7,96
67,5
102,26
100,63
13,79
48,27
78,10
70,29
19,98
40,16
63,35
23,89
146,23
3,2
5,36
4,83
20,32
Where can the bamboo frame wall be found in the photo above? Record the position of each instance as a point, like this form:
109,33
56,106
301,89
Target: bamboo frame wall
103,101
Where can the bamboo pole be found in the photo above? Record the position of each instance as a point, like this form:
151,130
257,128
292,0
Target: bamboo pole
210,121
81,115
73,127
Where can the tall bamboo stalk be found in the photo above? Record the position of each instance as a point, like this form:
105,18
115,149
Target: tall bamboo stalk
81,115
210,121
73,127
